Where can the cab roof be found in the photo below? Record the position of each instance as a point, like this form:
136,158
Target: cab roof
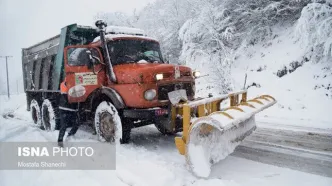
111,37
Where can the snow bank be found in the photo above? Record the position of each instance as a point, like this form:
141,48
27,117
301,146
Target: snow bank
314,30
16,104
302,94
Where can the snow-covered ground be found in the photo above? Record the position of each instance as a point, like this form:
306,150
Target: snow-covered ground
150,159
304,96
304,103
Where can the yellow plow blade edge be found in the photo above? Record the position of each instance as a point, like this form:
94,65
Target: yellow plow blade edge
212,137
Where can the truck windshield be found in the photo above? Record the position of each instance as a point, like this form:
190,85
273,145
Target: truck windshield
134,51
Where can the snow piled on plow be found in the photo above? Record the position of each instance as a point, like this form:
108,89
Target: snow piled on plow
206,150
212,138
203,152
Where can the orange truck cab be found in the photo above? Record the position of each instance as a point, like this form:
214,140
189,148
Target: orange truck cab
118,65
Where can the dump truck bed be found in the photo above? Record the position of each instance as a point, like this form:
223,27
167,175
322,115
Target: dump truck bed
38,64
42,63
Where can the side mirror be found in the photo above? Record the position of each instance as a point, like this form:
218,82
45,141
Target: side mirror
93,59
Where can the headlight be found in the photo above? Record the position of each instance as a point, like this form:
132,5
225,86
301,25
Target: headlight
196,74
77,91
150,94
159,76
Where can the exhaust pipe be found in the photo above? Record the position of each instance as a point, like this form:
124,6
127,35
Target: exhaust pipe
101,25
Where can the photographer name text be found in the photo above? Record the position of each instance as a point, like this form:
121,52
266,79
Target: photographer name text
41,164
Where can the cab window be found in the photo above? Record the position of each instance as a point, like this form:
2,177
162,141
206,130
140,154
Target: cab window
80,56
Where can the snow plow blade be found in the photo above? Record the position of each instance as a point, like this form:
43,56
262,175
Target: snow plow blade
215,132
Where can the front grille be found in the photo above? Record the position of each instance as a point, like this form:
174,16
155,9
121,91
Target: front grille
163,90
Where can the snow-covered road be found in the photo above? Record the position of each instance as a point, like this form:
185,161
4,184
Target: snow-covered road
152,159
305,151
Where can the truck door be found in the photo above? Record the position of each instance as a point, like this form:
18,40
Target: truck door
85,72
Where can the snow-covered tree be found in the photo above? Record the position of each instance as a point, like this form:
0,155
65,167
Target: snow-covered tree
224,26
209,34
314,29
115,18
163,20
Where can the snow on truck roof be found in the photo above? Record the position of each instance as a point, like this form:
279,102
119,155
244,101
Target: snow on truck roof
113,32
124,30
114,36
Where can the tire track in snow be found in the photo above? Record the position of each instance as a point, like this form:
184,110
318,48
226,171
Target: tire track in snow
280,125
305,151
306,140
299,150
13,132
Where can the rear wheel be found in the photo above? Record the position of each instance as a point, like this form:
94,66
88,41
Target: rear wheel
35,113
108,124
49,116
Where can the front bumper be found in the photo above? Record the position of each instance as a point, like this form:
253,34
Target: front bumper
158,116
146,114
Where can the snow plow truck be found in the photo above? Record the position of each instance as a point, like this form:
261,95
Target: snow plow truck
120,81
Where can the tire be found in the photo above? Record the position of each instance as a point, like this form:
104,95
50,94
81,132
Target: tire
108,124
160,125
164,131
35,113
50,116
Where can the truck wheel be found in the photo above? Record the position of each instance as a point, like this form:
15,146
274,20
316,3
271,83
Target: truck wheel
161,124
35,113
49,116
108,124
164,130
